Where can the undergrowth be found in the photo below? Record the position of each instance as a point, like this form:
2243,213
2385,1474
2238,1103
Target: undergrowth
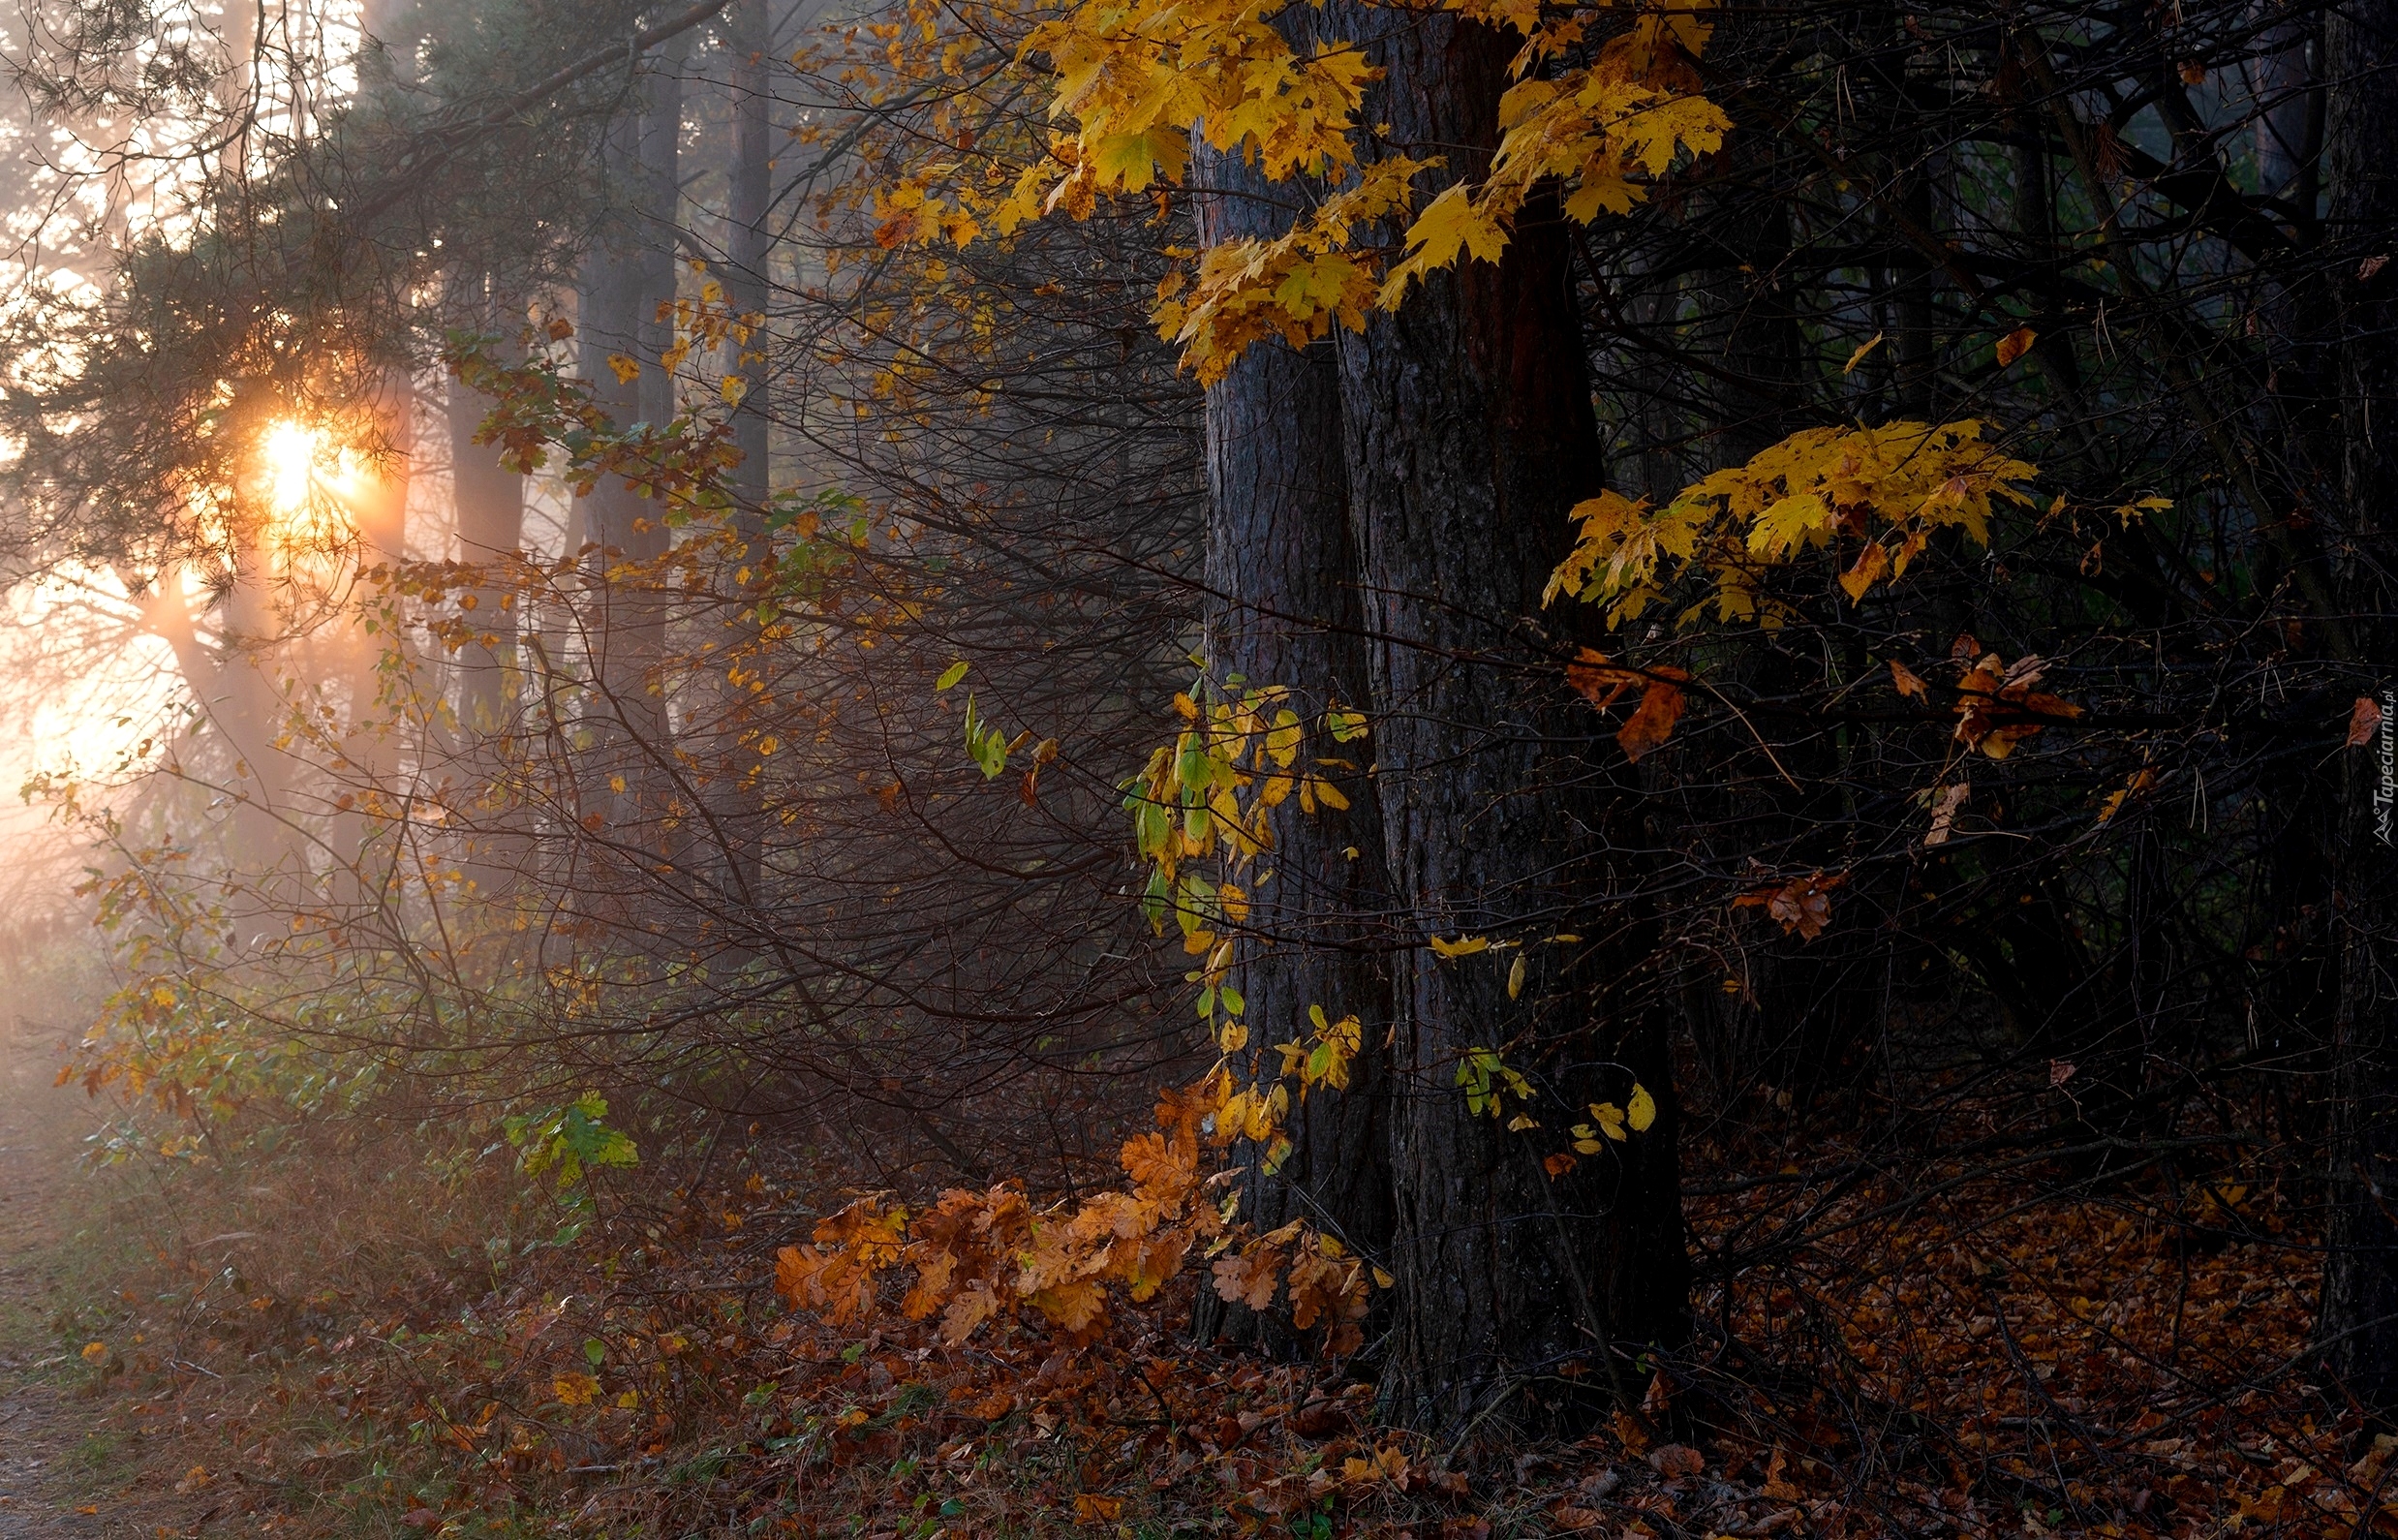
345,1339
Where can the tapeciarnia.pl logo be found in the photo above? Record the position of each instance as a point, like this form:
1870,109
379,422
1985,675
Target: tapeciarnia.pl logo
2386,748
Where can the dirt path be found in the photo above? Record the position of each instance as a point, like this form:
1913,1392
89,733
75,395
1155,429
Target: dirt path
42,1427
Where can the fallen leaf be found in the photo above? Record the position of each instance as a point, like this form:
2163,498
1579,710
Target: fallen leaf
1676,1459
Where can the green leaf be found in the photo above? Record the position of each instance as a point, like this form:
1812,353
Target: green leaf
950,675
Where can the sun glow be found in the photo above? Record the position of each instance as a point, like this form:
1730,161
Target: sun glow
291,452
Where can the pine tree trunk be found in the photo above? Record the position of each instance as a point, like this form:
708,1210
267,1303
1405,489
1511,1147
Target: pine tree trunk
1284,609
627,273
488,503
370,746
737,800
2357,1325
1505,814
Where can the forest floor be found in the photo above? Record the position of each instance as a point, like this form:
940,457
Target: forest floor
59,1480
345,1337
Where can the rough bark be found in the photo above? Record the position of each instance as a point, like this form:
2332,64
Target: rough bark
1284,609
1470,434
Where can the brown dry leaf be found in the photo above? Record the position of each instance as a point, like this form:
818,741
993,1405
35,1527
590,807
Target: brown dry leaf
2141,781
1091,1509
1603,683
2015,345
1320,1419
1909,683
1676,1459
1802,905
1248,1277
1997,707
2363,722
1871,563
1596,680
1661,707
1944,809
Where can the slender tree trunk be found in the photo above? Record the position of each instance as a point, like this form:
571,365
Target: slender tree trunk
488,501
737,791
1470,432
243,708
369,747
1284,609
2358,1321
628,271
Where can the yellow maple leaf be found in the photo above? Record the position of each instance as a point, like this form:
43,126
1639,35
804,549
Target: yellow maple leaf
1449,224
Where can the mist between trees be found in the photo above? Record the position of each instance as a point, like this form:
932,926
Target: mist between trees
1625,646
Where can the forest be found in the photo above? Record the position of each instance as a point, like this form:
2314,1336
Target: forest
1334,769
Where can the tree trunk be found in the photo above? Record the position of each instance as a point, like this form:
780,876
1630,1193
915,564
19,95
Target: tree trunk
737,790
1470,434
1284,609
242,705
2357,1325
369,746
488,503
629,270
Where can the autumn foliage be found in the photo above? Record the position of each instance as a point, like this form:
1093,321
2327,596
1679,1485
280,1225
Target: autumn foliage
992,1256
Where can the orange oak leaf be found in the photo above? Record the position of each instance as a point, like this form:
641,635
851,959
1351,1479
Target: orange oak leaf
2363,722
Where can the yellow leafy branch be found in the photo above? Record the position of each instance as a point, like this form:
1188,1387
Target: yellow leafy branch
1887,488
1131,82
